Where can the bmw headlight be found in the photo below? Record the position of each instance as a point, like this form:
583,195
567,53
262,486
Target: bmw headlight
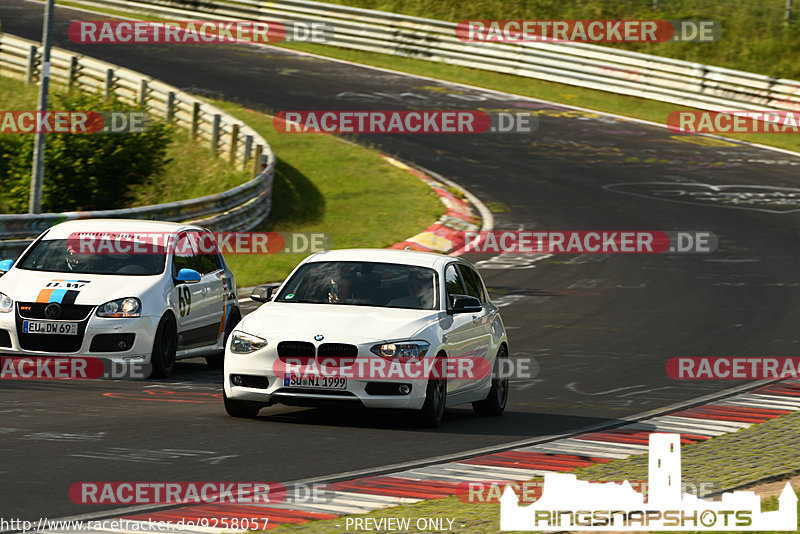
127,307
409,349
6,304
242,343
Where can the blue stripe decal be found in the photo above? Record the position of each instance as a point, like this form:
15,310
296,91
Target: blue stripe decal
57,295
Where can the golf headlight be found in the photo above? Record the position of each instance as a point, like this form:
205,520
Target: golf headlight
6,304
127,307
410,349
242,343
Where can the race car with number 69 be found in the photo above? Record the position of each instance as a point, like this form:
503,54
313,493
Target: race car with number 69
130,291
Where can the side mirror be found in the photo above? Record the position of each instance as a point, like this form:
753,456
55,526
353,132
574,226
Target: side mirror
5,266
464,304
263,293
190,276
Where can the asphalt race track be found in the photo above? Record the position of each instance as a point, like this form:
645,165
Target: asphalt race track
600,327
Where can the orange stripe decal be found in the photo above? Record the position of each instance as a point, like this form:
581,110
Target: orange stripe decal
44,295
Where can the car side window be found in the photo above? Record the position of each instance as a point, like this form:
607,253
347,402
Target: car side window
183,256
473,283
452,281
208,261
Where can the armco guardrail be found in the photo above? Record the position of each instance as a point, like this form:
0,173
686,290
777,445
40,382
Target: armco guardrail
596,67
241,208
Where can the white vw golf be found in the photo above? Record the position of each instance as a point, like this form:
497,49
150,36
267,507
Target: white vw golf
384,328
125,290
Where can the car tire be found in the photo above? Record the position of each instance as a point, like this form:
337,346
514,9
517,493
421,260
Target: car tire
495,402
432,412
165,345
237,408
216,361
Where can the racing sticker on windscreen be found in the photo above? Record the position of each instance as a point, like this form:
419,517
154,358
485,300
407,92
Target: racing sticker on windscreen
61,291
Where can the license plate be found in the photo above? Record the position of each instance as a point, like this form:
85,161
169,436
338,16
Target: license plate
321,382
42,327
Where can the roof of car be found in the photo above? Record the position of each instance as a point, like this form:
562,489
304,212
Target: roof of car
65,229
384,255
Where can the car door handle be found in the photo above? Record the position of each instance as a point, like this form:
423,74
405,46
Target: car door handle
204,291
476,319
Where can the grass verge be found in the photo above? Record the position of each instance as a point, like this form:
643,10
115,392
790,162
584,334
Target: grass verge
767,450
324,184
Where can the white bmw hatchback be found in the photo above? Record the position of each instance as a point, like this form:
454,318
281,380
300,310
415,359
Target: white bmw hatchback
86,288
383,328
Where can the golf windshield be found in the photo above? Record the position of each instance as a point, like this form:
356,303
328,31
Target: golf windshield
58,255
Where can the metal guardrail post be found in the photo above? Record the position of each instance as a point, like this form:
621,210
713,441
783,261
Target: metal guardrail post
72,73
108,88
215,132
30,71
143,90
195,119
257,159
234,143
248,149
170,106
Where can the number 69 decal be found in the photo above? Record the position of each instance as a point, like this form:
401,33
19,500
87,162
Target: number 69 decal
184,300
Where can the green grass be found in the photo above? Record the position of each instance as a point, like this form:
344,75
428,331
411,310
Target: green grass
324,184
763,451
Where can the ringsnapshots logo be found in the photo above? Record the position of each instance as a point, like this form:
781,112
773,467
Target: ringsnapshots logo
74,122
570,504
405,122
588,31
197,32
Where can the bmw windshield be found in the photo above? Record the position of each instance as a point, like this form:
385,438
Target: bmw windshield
385,285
